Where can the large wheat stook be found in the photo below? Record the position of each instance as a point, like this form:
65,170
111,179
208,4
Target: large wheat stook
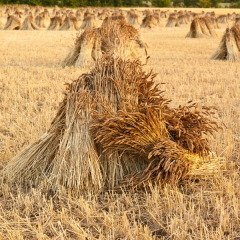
115,129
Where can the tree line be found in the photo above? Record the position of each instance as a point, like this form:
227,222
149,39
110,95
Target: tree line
123,3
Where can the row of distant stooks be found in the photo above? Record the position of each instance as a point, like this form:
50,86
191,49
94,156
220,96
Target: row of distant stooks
114,129
202,24
229,48
35,18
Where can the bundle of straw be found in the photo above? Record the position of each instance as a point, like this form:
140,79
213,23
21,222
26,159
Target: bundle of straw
114,38
29,23
13,23
229,48
115,129
202,27
149,21
172,20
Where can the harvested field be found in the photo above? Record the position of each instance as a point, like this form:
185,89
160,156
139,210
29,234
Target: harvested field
32,82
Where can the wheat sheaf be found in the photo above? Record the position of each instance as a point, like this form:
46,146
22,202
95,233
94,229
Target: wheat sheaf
114,129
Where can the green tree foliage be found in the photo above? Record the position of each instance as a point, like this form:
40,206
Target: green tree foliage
214,3
120,3
204,3
201,3
78,3
161,3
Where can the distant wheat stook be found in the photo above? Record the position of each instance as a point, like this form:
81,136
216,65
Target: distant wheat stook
114,129
202,27
229,48
115,37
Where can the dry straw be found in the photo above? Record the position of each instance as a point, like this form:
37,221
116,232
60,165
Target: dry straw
229,48
150,21
89,21
172,20
13,23
115,129
55,22
29,23
40,20
70,23
202,27
114,38
133,18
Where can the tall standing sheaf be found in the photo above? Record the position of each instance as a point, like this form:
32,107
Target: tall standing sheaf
114,38
115,129
202,27
229,48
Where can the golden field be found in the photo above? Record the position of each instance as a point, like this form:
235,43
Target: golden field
31,87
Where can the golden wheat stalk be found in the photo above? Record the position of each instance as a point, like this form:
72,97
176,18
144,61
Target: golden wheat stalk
146,135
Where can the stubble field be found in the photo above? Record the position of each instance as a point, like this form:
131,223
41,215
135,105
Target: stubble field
31,87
